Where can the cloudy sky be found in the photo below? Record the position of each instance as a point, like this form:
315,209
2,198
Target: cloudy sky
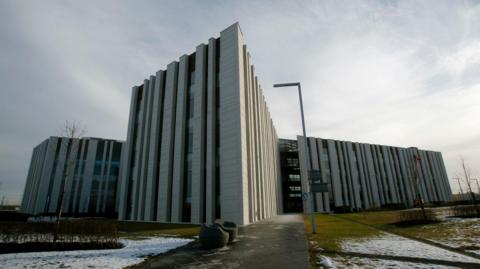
403,73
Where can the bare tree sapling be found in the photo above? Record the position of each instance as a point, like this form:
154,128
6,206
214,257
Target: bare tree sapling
467,171
72,131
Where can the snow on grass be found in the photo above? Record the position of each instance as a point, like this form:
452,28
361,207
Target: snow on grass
357,262
135,251
475,251
460,233
325,262
388,244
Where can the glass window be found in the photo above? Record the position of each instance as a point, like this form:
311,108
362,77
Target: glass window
192,78
97,168
99,153
191,106
293,177
190,141
295,188
292,162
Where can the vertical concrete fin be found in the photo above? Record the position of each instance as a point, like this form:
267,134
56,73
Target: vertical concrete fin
178,177
211,144
167,141
233,159
127,152
199,135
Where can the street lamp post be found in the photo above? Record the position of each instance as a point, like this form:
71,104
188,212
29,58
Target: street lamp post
297,84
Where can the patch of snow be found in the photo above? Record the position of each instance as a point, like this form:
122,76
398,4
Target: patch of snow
388,244
135,251
360,263
477,251
325,262
460,233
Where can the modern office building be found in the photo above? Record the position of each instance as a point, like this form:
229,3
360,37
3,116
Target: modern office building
201,144
365,176
91,182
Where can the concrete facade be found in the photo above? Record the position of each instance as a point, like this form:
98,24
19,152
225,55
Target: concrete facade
201,144
93,172
365,176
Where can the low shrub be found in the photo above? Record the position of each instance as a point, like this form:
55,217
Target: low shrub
437,204
48,246
342,209
416,217
9,216
72,234
465,211
394,206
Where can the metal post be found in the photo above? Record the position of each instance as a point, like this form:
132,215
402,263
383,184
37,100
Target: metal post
314,224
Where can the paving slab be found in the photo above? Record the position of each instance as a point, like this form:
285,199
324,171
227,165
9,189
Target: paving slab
278,242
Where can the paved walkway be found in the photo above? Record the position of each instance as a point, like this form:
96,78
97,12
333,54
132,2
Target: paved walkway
278,242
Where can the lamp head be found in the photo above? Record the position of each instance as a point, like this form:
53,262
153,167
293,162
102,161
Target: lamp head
286,84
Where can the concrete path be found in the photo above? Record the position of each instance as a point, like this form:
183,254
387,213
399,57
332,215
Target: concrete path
278,242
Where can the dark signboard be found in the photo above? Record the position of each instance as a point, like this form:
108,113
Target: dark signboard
319,187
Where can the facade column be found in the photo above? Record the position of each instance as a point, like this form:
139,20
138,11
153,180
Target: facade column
180,142
211,137
154,149
233,160
167,143
127,152
199,135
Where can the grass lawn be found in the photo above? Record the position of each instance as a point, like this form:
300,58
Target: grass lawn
337,229
378,219
332,231
460,234
456,231
132,230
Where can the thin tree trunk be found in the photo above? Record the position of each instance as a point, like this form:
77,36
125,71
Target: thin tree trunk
417,183
467,180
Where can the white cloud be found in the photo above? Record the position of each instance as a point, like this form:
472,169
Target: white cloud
458,61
